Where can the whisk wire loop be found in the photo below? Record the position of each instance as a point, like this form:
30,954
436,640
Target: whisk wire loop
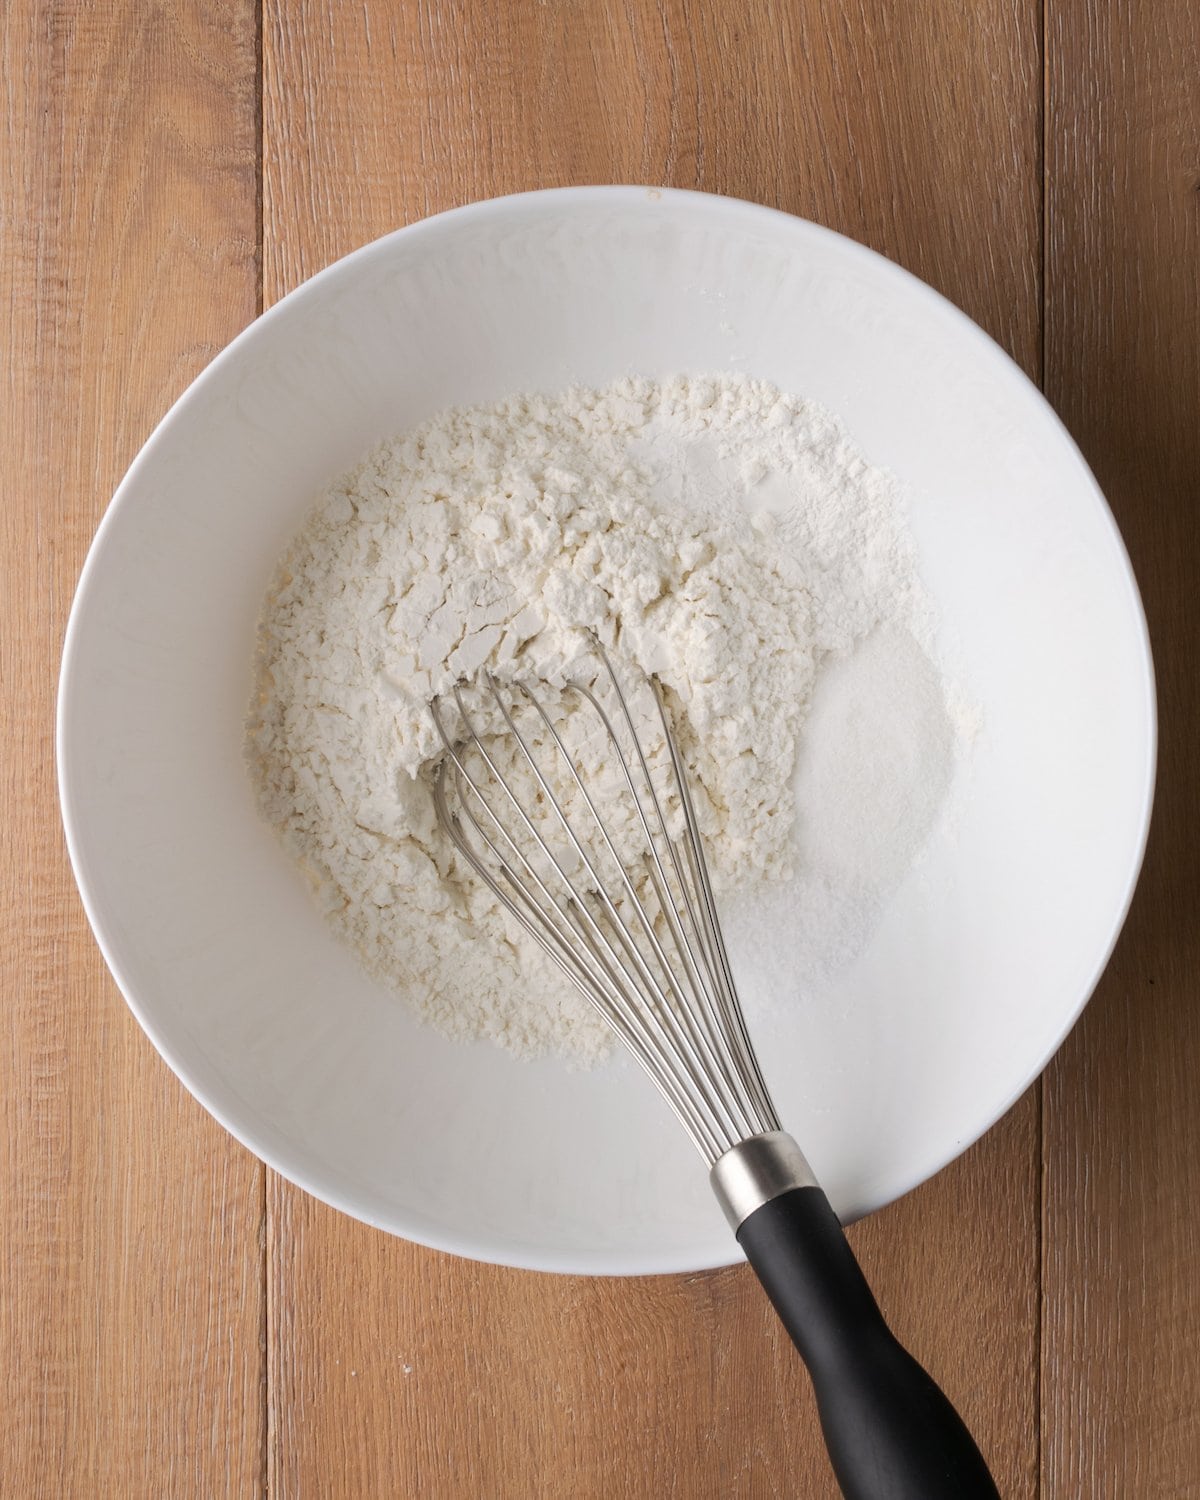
734,1042
634,929
665,1020
695,1014
596,980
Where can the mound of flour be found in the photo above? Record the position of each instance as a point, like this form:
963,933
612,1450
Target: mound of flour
714,531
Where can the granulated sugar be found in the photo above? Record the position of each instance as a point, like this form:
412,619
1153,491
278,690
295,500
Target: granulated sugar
718,533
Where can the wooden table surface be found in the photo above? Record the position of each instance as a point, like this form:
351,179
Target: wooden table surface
179,1321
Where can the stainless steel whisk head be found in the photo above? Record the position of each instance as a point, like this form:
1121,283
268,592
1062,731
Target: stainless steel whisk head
610,880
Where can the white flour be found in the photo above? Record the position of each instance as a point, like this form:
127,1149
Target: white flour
714,531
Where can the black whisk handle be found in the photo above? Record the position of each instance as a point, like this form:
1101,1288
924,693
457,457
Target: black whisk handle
891,1433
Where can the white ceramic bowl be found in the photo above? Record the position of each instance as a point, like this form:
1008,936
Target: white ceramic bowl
985,957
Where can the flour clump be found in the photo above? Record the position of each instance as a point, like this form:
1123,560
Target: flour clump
715,532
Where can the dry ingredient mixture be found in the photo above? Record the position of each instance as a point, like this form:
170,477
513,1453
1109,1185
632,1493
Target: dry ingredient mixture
715,531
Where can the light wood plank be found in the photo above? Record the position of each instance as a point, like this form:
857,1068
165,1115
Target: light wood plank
1121,1376
914,129
131,1315
394,1370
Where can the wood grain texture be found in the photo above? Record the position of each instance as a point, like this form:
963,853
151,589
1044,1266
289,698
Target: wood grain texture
143,1268
131,1313
1121,1373
917,133
394,1370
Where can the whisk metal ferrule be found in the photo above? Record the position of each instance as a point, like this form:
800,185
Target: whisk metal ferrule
757,1170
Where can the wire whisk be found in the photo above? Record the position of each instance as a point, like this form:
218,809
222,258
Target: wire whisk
584,826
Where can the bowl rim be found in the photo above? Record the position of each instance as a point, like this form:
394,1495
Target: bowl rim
734,212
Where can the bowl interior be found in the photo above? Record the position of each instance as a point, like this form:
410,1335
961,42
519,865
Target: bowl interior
982,961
